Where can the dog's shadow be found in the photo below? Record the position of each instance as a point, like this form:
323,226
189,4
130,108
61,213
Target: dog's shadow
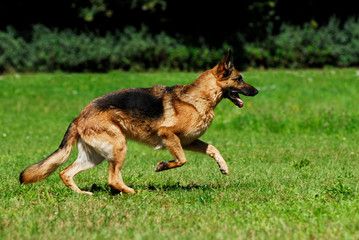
154,188
177,186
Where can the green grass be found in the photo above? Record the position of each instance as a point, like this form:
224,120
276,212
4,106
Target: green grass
292,152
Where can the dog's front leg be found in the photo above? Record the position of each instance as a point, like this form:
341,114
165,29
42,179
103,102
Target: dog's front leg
173,144
210,150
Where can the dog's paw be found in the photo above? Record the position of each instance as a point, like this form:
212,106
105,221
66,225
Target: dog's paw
86,193
161,166
123,190
130,191
224,171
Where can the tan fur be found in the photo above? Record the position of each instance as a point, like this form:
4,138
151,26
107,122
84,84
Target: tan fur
188,111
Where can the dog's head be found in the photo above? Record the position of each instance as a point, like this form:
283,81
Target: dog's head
231,81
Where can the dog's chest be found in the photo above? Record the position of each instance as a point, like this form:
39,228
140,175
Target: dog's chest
189,118
195,129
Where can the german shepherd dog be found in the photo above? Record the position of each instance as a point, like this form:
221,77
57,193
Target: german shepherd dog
160,116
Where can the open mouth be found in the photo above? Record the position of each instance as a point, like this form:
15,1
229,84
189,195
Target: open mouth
234,97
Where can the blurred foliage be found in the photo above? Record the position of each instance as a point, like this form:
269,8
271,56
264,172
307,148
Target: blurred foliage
333,44
89,9
93,7
130,49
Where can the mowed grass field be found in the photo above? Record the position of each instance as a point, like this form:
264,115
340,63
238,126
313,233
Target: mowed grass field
292,152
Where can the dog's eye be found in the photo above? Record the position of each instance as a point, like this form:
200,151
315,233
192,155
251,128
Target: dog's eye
239,79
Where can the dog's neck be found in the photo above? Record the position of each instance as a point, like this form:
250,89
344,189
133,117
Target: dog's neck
206,86
203,94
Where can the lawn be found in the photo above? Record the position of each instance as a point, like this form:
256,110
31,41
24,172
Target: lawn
292,152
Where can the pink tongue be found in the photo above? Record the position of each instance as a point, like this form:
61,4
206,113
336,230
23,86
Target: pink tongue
240,102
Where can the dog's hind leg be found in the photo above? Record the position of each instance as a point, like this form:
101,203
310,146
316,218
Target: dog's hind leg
110,143
116,163
210,150
87,158
173,144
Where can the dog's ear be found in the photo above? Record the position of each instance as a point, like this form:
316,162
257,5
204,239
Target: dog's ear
225,67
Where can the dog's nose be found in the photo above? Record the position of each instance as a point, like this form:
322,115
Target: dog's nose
254,92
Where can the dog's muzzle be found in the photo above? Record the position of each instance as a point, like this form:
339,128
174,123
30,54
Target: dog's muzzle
233,95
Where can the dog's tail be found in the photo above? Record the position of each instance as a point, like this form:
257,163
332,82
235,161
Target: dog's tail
44,168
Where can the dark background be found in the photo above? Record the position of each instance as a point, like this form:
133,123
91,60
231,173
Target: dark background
101,35
209,21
